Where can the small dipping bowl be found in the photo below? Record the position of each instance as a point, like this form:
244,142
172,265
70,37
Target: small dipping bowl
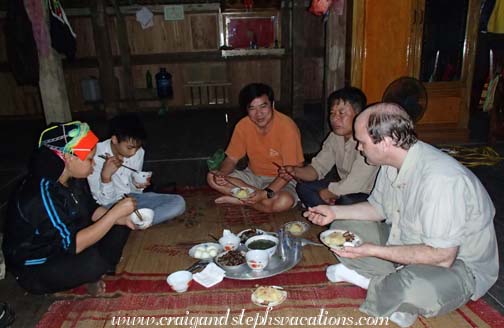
180,281
228,267
257,259
229,242
263,242
242,193
296,228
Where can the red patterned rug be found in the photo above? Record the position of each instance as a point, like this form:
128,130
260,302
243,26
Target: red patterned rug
139,296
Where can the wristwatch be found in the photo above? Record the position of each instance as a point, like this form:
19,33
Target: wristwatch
269,193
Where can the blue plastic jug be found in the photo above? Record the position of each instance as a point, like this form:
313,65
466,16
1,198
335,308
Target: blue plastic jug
164,84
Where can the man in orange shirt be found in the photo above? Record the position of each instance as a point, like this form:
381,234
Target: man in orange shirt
270,139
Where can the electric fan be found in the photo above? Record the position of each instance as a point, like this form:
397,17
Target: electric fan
410,93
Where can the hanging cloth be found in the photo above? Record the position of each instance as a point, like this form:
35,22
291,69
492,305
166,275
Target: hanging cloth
22,52
145,17
320,7
490,95
496,21
63,38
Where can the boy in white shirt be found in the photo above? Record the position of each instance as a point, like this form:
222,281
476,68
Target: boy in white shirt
110,180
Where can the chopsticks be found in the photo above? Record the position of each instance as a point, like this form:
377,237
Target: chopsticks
288,173
315,212
278,166
229,181
136,211
233,184
141,218
213,237
129,168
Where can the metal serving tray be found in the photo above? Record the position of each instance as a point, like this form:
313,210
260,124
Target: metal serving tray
275,266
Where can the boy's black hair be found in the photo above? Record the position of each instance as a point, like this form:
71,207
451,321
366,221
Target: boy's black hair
128,126
253,90
352,95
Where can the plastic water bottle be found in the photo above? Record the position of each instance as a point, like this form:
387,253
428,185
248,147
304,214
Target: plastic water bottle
2,261
148,79
164,84
90,88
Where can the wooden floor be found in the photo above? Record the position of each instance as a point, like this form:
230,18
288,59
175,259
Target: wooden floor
28,308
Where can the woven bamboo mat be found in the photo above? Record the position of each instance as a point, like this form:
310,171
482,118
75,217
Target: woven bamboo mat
140,294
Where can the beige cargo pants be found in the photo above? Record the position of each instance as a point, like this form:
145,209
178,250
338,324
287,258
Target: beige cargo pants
420,289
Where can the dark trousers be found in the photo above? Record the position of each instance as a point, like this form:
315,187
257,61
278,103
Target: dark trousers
308,193
69,271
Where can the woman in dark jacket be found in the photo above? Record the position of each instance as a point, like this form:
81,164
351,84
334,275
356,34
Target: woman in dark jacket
56,237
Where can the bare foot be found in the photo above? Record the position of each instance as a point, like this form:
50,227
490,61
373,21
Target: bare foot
96,288
228,200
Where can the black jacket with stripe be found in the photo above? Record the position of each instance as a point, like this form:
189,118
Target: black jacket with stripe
43,218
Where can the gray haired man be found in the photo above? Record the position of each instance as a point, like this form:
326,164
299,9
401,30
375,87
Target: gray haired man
437,247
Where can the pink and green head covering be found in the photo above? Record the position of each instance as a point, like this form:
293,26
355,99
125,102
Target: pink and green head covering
69,138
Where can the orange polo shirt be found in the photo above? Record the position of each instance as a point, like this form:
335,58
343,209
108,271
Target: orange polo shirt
281,145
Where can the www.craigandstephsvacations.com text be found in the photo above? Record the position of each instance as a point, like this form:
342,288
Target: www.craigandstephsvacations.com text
242,319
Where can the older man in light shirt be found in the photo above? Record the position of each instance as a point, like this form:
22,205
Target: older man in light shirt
437,248
356,177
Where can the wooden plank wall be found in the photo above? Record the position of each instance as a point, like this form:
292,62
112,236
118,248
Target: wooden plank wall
197,33
15,100
314,58
3,50
18,100
254,70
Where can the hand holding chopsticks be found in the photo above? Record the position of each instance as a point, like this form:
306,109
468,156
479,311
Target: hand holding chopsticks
320,215
316,213
105,157
224,179
139,216
284,171
232,183
219,178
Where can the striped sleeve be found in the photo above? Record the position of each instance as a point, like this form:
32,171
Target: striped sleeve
67,239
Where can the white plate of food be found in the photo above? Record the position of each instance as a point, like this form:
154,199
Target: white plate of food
205,251
242,193
296,228
337,239
268,296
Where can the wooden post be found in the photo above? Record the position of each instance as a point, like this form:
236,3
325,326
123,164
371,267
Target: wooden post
52,80
108,81
298,48
334,64
286,70
124,48
53,89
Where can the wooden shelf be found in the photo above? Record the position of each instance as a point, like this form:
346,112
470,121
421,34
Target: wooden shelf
274,52
184,57
179,57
